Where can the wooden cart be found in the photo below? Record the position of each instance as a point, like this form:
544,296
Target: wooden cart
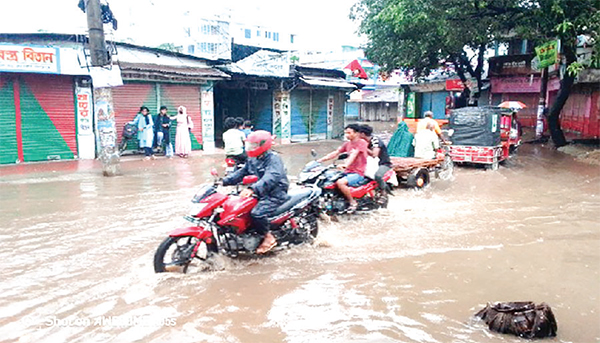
416,172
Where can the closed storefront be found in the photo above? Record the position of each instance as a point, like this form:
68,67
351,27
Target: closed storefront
128,99
302,120
188,96
8,125
261,113
237,99
310,112
38,118
339,103
435,102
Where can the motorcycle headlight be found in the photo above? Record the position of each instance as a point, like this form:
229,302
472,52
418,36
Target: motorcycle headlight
196,208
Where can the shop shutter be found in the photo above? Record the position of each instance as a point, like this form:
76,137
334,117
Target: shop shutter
8,128
318,129
261,109
188,96
127,100
228,103
438,104
47,117
339,103
301,118
425,103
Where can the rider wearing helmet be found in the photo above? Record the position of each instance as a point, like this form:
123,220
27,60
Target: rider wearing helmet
271,187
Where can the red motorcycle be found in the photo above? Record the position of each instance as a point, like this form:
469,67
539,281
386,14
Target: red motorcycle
368,195
222,225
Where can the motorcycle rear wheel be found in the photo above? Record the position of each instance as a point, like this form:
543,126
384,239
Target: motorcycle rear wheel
174,254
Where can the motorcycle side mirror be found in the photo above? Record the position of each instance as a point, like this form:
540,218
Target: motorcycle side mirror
313,153
249,179
343,156
213,172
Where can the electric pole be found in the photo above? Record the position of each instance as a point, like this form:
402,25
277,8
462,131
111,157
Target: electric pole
98,52
103,101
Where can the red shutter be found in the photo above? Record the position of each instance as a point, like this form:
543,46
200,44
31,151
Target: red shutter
188,96
128,99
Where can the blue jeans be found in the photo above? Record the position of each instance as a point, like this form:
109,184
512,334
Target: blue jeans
354,179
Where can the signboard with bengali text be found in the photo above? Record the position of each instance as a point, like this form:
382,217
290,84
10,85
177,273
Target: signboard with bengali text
85,125
208,118
29,59
282,119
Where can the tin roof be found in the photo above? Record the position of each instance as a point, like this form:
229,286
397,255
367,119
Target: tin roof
168,73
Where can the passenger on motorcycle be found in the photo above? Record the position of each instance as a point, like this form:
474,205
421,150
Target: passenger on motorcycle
233,140
271,187
377,149
354,166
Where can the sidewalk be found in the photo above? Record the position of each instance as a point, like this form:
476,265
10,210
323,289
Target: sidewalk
295,155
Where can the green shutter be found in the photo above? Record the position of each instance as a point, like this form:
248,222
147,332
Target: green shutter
8,128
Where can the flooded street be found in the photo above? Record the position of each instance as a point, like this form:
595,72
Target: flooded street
77,252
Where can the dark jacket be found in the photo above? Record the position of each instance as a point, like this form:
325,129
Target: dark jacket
159,121
272,178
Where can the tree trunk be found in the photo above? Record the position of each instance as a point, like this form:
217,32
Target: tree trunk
556,133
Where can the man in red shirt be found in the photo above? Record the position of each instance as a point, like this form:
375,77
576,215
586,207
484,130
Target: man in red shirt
354,166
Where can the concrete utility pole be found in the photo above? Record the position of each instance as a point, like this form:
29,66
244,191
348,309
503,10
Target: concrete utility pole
98,51
541,110
103,101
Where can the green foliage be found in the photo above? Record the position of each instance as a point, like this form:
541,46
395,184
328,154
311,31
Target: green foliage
575,68
423,34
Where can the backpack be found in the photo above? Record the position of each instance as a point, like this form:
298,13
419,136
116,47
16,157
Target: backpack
524,319
129,130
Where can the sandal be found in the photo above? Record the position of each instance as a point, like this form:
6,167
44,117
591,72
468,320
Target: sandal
267,245
265,248
351,208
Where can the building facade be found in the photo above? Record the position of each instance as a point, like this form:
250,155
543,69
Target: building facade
47,105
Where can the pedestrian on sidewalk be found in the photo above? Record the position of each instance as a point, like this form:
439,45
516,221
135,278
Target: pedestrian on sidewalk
183,143
162,127
145,124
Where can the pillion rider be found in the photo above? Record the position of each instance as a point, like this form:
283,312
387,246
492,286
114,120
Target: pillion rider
271,187
377,149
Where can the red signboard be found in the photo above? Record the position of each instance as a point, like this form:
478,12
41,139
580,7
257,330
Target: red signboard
454,85
521,84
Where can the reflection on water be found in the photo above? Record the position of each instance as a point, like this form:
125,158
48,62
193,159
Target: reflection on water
77,258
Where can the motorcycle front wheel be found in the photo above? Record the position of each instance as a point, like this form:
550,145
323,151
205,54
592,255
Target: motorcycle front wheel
174,254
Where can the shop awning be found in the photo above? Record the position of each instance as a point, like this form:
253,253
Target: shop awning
327,82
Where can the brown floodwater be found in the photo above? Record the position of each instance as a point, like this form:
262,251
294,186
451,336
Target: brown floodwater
77,253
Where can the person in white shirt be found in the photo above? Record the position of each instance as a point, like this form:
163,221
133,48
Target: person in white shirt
234,139
426,143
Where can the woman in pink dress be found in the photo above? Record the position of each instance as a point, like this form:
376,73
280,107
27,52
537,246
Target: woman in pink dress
183,143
